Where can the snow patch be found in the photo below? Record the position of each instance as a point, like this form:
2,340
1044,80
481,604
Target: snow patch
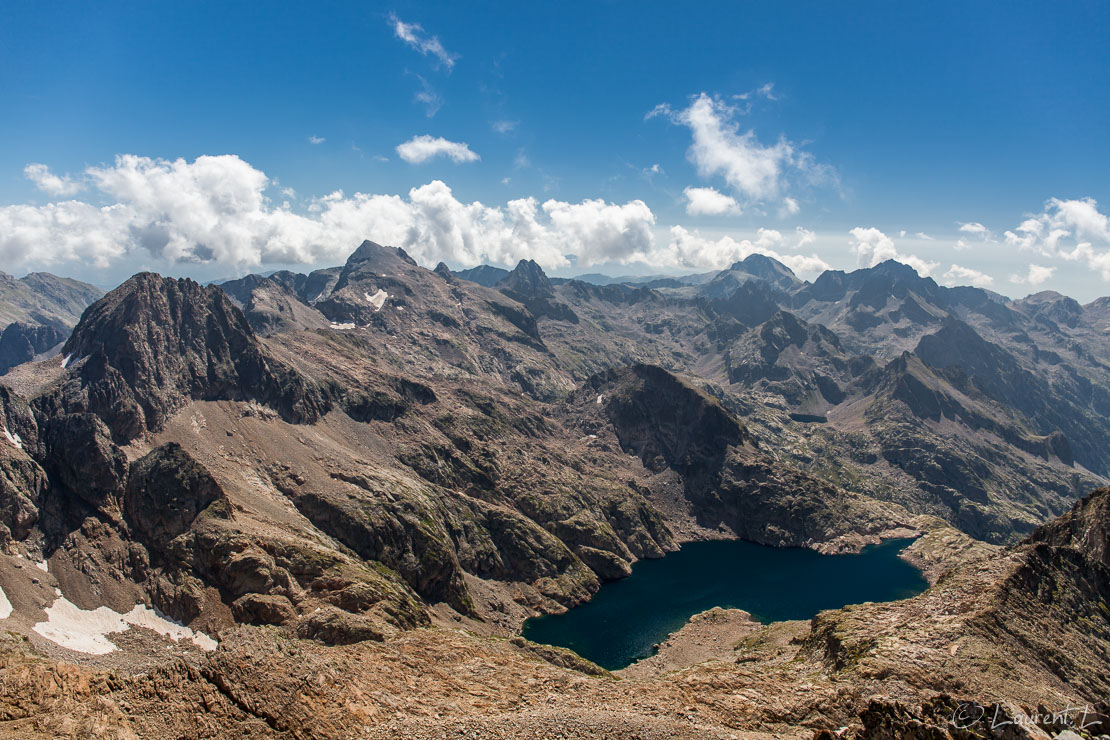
378,299
66,359
599,399
13,438
5,605
43,566
85,631
346,325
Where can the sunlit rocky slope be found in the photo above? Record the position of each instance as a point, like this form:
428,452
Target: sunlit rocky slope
311,483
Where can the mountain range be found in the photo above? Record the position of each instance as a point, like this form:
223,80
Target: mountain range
361,481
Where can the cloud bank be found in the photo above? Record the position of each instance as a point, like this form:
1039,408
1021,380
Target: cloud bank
216,210
222,211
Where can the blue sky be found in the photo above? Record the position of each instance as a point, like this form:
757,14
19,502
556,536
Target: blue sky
638,137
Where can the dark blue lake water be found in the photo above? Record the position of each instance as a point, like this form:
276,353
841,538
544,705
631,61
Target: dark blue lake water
627,617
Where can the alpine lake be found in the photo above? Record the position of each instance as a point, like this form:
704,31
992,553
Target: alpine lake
628,617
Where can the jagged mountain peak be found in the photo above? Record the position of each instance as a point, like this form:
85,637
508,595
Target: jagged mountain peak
895,269
528,284
762,266
1053,306
372,260
758,261
372,251
528,279
153,343
755,268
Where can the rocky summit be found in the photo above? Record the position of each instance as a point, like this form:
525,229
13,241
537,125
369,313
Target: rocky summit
323,505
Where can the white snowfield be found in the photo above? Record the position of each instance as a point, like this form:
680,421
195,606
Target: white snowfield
13,438
85,630
345,325
378,299
5,605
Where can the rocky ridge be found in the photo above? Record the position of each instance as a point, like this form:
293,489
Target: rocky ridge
325,483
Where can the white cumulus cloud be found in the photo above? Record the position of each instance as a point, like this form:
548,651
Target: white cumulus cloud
49,183
975,229
756,171
1074,230
1037,274
710,202
959,275
420,149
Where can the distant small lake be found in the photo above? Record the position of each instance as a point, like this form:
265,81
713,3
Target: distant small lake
627,617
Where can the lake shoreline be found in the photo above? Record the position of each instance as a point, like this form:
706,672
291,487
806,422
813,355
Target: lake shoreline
626,617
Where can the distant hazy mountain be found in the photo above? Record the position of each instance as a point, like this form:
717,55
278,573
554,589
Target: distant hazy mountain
42,298
486,275
37,312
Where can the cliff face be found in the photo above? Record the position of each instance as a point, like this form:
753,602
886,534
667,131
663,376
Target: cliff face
728,482
20,342
154,343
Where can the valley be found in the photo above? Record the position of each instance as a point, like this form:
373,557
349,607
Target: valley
359,483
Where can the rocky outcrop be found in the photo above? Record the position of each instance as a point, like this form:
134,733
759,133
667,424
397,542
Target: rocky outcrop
88,472
1054,604
20,342
274,306
166,491
22,481
665,422
528,284
804,363
729,483
154,343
